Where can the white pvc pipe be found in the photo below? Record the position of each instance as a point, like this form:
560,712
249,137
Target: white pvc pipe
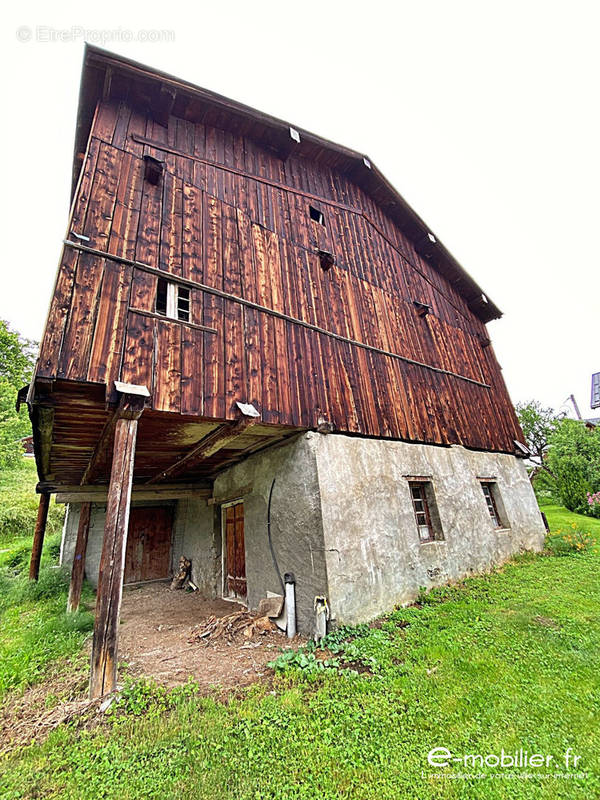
290,604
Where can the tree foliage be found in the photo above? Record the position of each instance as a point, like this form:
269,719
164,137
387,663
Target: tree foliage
574,459
538,424
17,356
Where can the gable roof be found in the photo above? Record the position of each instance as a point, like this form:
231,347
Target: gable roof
105,72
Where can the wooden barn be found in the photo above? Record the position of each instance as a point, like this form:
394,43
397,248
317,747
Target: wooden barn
259,357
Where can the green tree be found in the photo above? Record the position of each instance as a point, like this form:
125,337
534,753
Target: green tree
17,357
538,424
574,458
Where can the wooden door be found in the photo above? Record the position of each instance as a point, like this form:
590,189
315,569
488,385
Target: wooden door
148,554
235,553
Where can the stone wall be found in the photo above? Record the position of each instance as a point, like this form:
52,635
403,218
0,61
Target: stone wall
374,557
296,529
343,523
197,537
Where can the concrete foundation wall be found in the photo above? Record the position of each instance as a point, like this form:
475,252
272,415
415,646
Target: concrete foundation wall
374,557
95,537
196,537
296,528
343,522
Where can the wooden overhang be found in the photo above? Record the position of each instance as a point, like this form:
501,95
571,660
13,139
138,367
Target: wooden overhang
175,454
104,72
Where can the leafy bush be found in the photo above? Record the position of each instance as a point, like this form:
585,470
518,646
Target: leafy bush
16,365
574,458
594,504
344,648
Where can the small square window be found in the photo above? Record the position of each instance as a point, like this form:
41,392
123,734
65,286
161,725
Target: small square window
173,300
490,494
425,511
316,215
183,303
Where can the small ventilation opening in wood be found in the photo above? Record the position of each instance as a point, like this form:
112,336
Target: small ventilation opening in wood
422,308
317,215
161,296
326,259
152,170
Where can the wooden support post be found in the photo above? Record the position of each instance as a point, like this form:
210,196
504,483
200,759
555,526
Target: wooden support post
38,537
78,567
103,674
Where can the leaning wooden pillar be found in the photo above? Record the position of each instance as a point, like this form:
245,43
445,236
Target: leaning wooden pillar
38,537
78,567
103,673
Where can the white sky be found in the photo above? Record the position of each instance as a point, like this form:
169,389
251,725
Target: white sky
484,115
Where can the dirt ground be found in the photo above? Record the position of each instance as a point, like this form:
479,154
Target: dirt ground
156,624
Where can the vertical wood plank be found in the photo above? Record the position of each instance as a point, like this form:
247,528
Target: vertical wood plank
167,385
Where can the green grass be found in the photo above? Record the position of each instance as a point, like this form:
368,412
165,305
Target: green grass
35,631
561,519
507,660
19,504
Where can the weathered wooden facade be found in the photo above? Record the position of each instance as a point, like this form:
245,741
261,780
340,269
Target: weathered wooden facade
217,256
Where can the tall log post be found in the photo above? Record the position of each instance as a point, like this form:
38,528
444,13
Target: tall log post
38,536
103,672
78,568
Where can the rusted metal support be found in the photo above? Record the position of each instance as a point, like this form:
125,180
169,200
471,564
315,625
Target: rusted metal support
103,671
78,567
38,537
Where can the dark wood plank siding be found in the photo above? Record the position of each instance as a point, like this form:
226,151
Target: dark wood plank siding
232,216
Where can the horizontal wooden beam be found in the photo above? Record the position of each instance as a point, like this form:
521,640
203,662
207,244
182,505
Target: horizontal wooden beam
101,488
152,315
166,148
145,495
243,491
278,314
206,447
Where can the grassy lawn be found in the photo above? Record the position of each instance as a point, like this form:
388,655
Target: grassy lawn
507,660
19,502
35,631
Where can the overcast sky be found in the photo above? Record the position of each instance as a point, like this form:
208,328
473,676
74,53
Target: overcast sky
484,115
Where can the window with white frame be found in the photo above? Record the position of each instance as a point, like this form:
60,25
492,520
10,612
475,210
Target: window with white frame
493,503
425,510
173,300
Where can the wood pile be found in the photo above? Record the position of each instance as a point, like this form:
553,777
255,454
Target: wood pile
183,575
231,627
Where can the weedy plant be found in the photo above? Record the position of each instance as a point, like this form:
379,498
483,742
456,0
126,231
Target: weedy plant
340,651
571,541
